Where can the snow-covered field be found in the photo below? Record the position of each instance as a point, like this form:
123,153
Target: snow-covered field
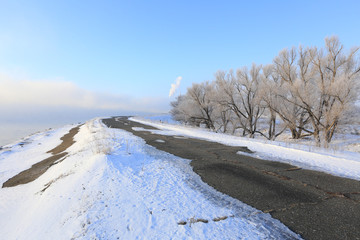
339,163
114,186
347,137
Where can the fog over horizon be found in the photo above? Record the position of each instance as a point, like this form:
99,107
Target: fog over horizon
29,106
16,124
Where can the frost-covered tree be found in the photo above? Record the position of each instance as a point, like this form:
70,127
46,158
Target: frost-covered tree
196,107
335,86
223,113
247,86
270,87
287,104
240,94
318,86
199,97
226,97
224,117
311,90
178,109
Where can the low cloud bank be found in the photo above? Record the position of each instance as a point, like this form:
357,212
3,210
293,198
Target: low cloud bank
63,94
28,106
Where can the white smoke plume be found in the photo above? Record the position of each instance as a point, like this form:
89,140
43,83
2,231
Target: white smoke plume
175,86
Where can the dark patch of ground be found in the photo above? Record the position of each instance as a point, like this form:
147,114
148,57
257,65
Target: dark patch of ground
39,168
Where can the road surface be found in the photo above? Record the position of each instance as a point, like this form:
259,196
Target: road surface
314,204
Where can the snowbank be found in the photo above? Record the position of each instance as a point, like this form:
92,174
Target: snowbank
114,186
343,164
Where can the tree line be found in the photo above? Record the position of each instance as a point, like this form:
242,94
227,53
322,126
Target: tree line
308,90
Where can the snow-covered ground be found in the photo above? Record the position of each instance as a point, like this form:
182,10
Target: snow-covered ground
114,186
347,137
339,163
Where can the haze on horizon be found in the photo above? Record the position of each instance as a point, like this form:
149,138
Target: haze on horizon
66,61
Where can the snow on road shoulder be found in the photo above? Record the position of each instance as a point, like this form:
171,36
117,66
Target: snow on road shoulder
343,164
114,186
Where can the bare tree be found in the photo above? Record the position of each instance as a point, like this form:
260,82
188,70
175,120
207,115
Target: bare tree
295,117
319,86
270,86
311,90
240,94
177,111
222,92
336,80
200,108
247,87
226,97
223,115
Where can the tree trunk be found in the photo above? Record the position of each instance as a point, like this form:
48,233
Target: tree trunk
317,137
294,133
329,132
272,126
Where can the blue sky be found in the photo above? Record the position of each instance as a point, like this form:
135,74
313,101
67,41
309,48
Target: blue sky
112,51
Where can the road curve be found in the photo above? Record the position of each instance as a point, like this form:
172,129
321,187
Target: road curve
313,204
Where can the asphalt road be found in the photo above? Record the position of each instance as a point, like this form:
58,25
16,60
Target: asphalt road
314,204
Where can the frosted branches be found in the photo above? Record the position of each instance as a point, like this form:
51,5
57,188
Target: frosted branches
310,90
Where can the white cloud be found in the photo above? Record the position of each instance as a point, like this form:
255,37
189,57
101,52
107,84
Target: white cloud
63,94
175,86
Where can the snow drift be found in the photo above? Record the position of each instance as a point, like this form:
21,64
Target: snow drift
114,186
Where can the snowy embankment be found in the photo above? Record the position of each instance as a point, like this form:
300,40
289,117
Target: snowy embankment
343,164
114,186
